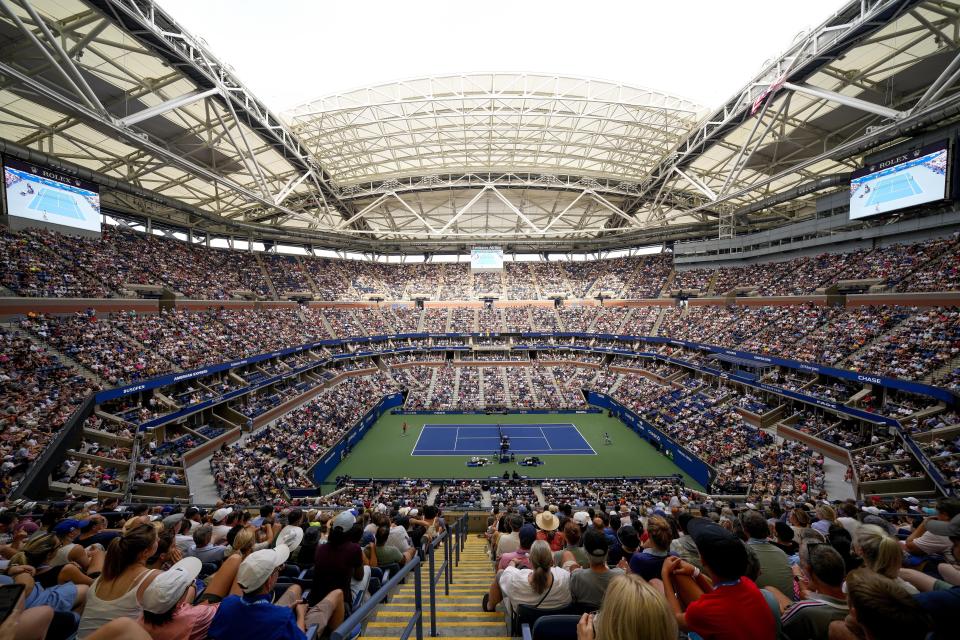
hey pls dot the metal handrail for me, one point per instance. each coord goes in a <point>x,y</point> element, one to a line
<point>435,576</point>
<point>345,630</point>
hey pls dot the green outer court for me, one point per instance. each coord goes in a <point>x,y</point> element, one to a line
<point>384,453</point>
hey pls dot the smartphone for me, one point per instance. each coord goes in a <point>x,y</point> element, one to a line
<point>9,597</point>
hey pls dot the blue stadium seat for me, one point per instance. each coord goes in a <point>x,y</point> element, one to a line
<point>552,627</point>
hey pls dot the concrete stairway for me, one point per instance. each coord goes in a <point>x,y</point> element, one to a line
<point>655,331</point>
<point>668,284</point>
<point>266,275</point>
<point>459,614</point>
<point>943,370</point>
<point>64,358</point>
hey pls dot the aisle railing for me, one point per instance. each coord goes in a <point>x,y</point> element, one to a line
<point>451,541</point>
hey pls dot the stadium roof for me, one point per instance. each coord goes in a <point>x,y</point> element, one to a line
<point>529,161</point>
<point>493,122</point>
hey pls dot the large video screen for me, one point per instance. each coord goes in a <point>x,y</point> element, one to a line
<point>486,259</point>
<point>37,193</point>
<point>906,180</point>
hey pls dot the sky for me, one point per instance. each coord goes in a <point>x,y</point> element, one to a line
<point>290,52</point>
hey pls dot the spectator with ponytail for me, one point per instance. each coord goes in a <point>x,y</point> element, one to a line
<point>63,588</point>
<point>543,586</point>
<point>118,592</point>
<point>881,554</point>
<point>243,543</point>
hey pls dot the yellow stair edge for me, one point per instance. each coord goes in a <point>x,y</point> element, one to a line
<point>376,624</point>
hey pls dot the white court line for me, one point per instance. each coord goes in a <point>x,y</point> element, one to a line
<point>484,452</point>
<point>495,437</point>
<point>585,441</point>
<point>549,451</point>
<point>456,439</point>
<point>545,439</point>
<point>422,429</point>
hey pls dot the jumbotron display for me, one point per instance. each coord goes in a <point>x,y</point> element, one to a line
<point>38,193</point>
<point>486,259</point>
<point>907,180</point>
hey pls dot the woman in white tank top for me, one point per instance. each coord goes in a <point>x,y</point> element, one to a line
<point>117,592</point>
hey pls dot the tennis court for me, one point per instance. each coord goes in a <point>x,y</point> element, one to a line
<point>57,202</point>
<point>484,439</point>
<point>894,188</point>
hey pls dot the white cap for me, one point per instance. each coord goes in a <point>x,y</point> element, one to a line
<point>582,518</point>
<point>168,587</point>
<point>220,514</point>
<point>291,537</point>
<point>257,567</point>
<point>750,505</point>
<point>344,521</point>
<point>872,510</point>
<point>911,500</point>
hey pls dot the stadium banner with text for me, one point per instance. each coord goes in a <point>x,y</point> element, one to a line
<point>482,412</point>
<point>691,464</point>
<point>335,454</point>
<point>892,383</point>
<point>173,378</point>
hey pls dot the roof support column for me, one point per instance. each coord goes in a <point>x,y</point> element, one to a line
<point>847,101</point>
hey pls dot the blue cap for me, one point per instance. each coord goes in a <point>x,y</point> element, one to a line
<point>66,526</point>
<point>527,535</point>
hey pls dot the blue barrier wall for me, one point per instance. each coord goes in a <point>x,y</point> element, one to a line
<point>428,412</point>
<point>892,383</point>
<point>694,466</point>
<point>325,466</point>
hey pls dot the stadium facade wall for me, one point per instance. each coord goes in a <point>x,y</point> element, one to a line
<point>938,299</point>
<point>809,238</point>
<point>642,302</point>
<point>206,305</point>
<point>525,303</point>
<point>347,305</point>
<point>12,307</point>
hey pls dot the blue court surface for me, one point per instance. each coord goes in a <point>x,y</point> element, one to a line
<point>57,202</point>
<point>894,188</point>
<point>484,439</point>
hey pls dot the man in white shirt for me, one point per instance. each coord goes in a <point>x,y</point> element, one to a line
<point>926,543</point>
<point>399,538</point>
<point>848,518</point>
<point>292,533</point>
<point>221,526</point>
